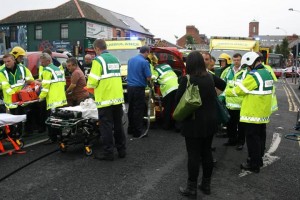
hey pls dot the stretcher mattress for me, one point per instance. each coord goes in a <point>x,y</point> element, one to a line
<point>86,113</point>
<point>8,119</point>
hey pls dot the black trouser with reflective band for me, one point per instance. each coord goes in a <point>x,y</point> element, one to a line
<point>111,128</point>
<point>255,139</point>
<point>199,151</point>
<point>136,110</point>
<point>235,130</point>
<point>53,132</point>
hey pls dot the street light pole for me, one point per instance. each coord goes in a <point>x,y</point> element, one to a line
<point>282,30</point>
<point>291,9</point>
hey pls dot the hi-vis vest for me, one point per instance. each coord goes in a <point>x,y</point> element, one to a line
<point>53,87</point>
<point>166,78</point>
<point>274,98</point>
<point>105,78</point>
<point>12,83</point>
<point>234,102</point>
<point>41,69</point>
<point>257,89</point>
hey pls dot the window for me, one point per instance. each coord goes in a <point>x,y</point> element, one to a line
<point>254,29</point>
<point>38,32</point>
<point>13,34</point>
<point>64,31</point>
<point>127,34</point>
<point>118,32</point>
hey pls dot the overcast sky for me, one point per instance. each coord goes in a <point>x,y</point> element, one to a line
<point>166,18</point>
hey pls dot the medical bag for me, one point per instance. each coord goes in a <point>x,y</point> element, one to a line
<point>29,93</point>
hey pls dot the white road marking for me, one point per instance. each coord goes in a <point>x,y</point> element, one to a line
<point>288,97</point>
<point>268,159</point>
<point>37,142</point>
<point>28,145</point>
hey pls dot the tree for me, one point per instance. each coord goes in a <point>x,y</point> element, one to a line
<point>277,49</point>
<point>189,41</point>
<point>284,48</point>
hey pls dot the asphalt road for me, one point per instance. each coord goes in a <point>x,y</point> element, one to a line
<point>157,165</point>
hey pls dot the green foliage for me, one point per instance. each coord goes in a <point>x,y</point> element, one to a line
<point>190,39</point>
<point>277,49</point>
<point>284,48</point>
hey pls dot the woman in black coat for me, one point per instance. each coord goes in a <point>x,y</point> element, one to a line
<point>199,129</point>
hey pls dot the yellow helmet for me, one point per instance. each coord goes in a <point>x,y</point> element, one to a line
<point>17,51</point>
<point>153,59</point>
<point>225,56</point>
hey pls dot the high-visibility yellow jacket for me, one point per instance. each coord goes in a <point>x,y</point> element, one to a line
<point>13,82</point>
<point>274,98</point>
<point>105,78</point>
<point>166,78</point>
<point>257,91</point>
<point>53,87</point>
<point>234,102</point>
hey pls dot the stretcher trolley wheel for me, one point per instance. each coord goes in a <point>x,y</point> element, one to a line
<point>88,151</point>
<point>20,143</point>
<point>62,147</point>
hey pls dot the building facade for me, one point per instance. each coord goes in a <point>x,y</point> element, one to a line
<point>72,27</point>
<point>200,41</point>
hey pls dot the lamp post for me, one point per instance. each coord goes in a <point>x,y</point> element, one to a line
<point>282,30</point>
<point>292,9</point>
<point>297,45</point>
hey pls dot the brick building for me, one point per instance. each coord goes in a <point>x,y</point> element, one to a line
<point>72,24</point>
<point>200,41</point>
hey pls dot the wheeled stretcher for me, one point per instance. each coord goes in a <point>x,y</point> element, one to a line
<point>9,131</point>
<point>75,125</point>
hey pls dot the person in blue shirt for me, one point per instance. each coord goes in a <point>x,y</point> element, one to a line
<point>138,76</point>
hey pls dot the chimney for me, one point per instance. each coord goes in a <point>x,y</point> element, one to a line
<point>253,28</point>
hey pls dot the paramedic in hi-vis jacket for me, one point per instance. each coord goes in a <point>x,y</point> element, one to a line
<point>256,108</point>
<point>105,78</point>
<point>53,89</point>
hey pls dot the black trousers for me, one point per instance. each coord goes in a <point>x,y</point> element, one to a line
<point>52,132</point>
<point>136,110</point>
<point>26,110</point>
<point>256,140</point>
<point>111,128</point>
<point>169,105</point>
<point>199,151</point>
<point>235,130</point>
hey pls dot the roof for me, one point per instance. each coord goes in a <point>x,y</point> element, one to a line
<point>75,9</point>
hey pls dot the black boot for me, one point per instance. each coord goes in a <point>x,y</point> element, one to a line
<point>190,190</point>
<point>205,185</point>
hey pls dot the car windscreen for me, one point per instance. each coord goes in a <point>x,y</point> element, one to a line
<point>124,55</point>
<point>216,53</point>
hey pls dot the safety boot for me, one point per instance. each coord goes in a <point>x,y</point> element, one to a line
<point>190,190</point>
<point>205,185</point>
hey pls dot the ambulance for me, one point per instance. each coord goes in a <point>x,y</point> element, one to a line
<point>232,45</point>
<point>124,48</point>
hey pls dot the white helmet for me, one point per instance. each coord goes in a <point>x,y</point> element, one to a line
<point>249,58</point>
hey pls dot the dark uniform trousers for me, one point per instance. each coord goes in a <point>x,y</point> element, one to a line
<point>169,105</point>
<point>255,139</point>
<point>235,128</point>
<point>136,110</point>
<point>52,132</point>
<point>111,129</point>
<point>20,110</point>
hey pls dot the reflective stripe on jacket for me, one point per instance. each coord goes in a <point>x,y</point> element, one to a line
<point>166,78</point>
<point>53,87</point>
<point>257,91</point>
<point>105,78</point>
